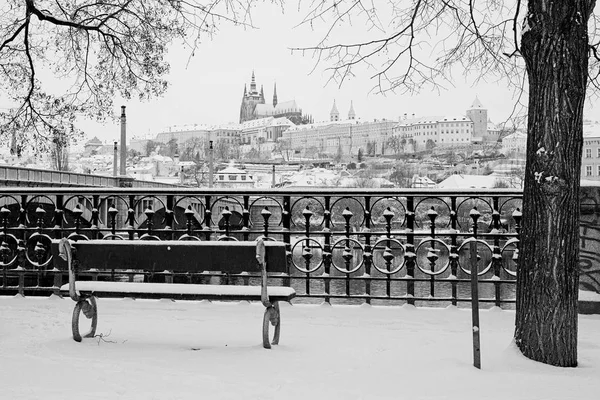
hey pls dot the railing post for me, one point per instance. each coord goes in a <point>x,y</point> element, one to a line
<point>246,218</point>
<point>453,251</point>
<point>95,216</point>
<point>410,249</point>
<point>306,250</point>
<point>170,215</point>
<point>131,217</point>
<point>431,255</point>
<point>327,249</point>
<point>368,254</point>
<point>474,214</point>
<point>286,219</point>
<point>496,255</point>
<point>207,218</point>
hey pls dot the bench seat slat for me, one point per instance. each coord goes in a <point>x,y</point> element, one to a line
<point>180,290</point>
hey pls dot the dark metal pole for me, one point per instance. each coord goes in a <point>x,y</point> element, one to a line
<point>210,164</point>
<point>474,214</point>
<point>123,170</point>
<point>115,156</point>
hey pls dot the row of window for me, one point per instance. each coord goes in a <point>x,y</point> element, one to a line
<point>232,177</point>
<point>589,171</point>
<point>588,153</point>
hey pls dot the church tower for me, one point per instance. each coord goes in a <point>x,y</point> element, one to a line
<point>351,113</point>
<point>334,115</point>
<point>478,114</point>
<point>274,95</point>
<point>249,101</point>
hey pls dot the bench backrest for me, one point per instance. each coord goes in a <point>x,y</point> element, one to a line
<point>172,255</point>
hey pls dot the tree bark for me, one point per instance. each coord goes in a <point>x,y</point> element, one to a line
<point>555,48</point>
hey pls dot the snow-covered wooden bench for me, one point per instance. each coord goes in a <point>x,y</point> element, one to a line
<point>181,257</point>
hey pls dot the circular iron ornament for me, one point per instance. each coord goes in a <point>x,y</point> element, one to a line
<point>12,216</point>
<point>39,243</point>
<point>104,200</point>
<point>200,211</point>
<point>47,217</point>
<point>111,236</point>
<point>430,251</point>
<point>508,200</point>
<point>342,245</point>
<point>276,205</point>
<point>189,238</point>
<point>515,253</point>
<point>394,219</point>
<point>381,245</point>
<point>90,310</point>
<point>318,214</point>
<point>341,221</point>
<point>482,210</point>
<point>438,201</point>
<point>225,238</point>
<point>464,245</point>
<point>227,199</point>
<point>146,236</point>
<point>305,253</point>
<point>78,236</point>
<point>8,250</point>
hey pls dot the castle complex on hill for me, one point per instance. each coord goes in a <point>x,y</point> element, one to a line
<point>254,106</point>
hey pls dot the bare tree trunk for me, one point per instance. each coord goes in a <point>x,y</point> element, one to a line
<point>555,48</point>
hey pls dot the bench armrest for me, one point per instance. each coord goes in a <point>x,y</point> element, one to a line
<point>65,251</point>
<point>260,257</point>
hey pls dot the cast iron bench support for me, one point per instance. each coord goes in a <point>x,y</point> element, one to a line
<point>182,256</point>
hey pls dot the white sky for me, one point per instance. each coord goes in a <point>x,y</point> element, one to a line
<point>208,89</point>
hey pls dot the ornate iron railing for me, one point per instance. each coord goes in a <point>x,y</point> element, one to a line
<point>352,246</point>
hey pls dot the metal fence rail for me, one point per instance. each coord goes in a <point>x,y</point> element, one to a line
<point>351,246</point>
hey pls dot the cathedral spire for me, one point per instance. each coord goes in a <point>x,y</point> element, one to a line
<point>351,113</point>
<point>262,94</point>
<point>245,91</point>
<point>253,83</point>
<point>275,95</point>
<point>334,115</point>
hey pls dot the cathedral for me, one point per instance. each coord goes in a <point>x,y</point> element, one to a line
<point>254,106</point>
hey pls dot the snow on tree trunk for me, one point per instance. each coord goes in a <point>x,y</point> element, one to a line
<point>555,48</point>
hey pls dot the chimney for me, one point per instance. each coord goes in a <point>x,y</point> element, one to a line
<point>123,171</point>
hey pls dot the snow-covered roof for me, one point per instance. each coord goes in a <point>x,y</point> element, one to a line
<point>432,120</point>
<point>232,170</point>
<point>469,181</point>
<point>280,108</point>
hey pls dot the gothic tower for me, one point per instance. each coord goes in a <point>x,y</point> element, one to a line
<point>478,114</point>
<point>249,101</point>
<point>275,95</point>
<point>351,113</point>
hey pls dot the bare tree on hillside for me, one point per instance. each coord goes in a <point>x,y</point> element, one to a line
<point>550,47</point>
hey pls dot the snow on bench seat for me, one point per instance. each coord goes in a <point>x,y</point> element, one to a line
<point>179,290</point>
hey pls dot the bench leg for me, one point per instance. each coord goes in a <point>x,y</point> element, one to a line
<point>90,310</point>
<point>272,316</point>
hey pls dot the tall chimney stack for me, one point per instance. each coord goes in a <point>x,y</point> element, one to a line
<point>123,170</point>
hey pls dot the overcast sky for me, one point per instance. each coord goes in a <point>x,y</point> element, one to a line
<point>208,88</point>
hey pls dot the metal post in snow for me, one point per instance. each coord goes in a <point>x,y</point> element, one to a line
<point>474,214</point>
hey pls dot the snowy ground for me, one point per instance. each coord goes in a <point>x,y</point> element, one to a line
<point>200,350</point>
